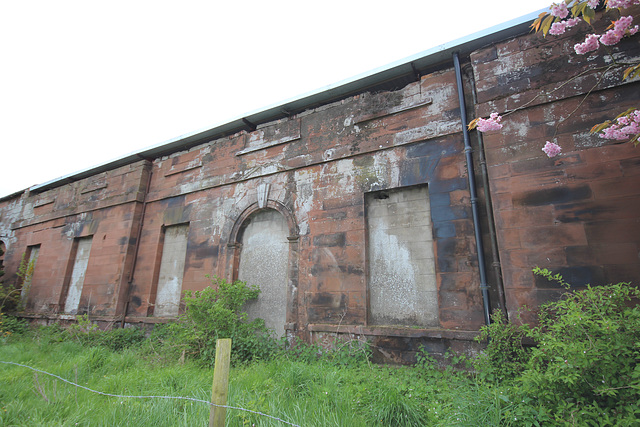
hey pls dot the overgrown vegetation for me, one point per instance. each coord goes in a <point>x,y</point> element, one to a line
<point>584,368</point>
<point>9,300</point>
<point>25,273</point>
<point>577,366</point>
<point>214,313</point>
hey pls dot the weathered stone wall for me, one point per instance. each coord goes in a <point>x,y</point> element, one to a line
<point>319,180</point>
<point>315,168</point>
<point>105,206</point>
<point>577,214</point>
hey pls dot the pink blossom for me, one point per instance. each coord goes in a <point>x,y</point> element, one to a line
<point>624,128</point>
<point>492,123</point>
<point>573,22</point>
<point>593,3</point>
<point>611,37</point>
<point>558,28</point>
<point>551,149</point>
<point>623,23</point>
<point>590,43</point>
<point>613,132</point>
<point>618,31</point>
<point>560,10</point>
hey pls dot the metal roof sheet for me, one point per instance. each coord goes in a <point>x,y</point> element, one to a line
<point>427,60</point>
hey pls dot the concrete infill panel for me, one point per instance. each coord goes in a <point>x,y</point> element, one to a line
<point>77,276</point>
<point>174,254</point>
<point>264,262</point>
<point>402,286</point>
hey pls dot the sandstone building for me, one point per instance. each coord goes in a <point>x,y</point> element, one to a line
<point>359,210</point>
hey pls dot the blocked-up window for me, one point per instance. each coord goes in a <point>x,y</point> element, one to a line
<point>402,281</point>
<point>82,248</point>
<point>28,267</point>
<point>174,255</point>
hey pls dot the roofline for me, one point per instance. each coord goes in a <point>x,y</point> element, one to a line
<point>428,59</point>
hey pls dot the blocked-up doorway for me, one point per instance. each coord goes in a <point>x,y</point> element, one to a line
<point>402,281</point>
<point>82,249</point>
<point>174,255</point>
<point>264,260</point>
<point>31,258</point>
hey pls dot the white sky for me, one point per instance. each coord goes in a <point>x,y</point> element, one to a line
<point>84,82</point>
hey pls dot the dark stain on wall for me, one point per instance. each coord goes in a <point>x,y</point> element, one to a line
<point>575,276</point>
<point>330,240</point>
<point>203,250</point>
<point>582,212</point>
<point>550,196</point>
<point>443,229</point>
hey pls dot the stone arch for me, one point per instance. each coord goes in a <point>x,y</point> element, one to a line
<point>254,207</point>
<point>263,250</point>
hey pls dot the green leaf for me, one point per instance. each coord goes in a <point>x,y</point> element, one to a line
<point>588,14</point>
<point>578,9</point>
<point>546,24</point>
<point>632,71</point>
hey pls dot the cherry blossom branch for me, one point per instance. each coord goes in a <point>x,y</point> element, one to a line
<point>568,14</point>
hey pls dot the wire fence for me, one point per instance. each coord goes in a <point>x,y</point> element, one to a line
<point>192,399</point>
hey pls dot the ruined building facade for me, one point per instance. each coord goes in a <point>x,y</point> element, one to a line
<point>352,208</point>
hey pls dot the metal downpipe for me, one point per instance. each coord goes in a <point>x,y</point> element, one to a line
<point>493,239</point>
<point>472,190</point>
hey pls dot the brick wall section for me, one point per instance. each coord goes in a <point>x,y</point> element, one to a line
<point>329,158</point>
<point>576,214</point>
<point>106,207</point>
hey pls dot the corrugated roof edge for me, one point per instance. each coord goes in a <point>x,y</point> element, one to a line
<point>348,87</point>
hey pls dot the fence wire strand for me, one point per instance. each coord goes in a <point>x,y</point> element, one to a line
<point>150,397</point>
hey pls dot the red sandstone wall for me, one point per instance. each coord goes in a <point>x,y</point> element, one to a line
<point>577,214</point>
<point>105,207</point>
<point>319,164</point>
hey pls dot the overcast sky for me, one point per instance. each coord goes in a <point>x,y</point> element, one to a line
<point>84,82</point>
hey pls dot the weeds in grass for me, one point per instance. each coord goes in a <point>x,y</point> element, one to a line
<point>589,379</point>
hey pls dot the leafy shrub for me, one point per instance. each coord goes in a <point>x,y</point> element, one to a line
<point>348,352</point>
<point>25,273</point>
<point>505,356</point>
<point>10,325</point>
<point>87,333</point>
<point>9,298</point>
<point>584,369</point>
<point>84,331</point>
<point>585,366</point>
<point>121,338</point>
<point>214,313</point>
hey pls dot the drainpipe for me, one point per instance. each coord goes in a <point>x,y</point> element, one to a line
<point>472,190</point>
<point>493,239</point>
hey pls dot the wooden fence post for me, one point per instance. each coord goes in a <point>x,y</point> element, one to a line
<point>220,383</point>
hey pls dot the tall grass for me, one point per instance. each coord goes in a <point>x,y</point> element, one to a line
<point>325,392</point>
<point>332,391</point>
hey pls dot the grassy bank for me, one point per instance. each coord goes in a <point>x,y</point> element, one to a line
<point>583,370</point>
<point>344,392</point>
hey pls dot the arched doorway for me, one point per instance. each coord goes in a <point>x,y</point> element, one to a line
<point>264,261</point>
